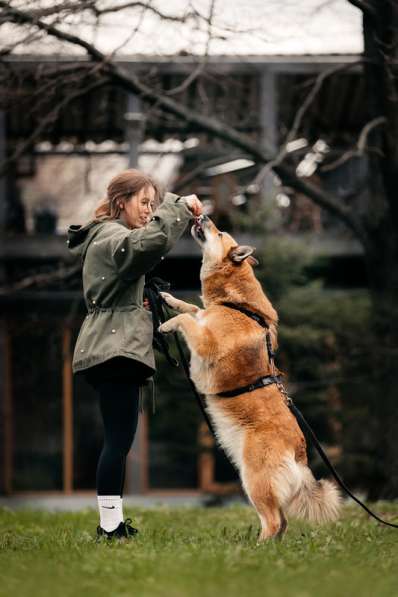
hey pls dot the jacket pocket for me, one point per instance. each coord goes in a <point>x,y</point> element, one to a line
<point>138,332</point>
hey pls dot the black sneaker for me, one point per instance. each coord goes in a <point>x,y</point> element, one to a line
<point>123,531</point>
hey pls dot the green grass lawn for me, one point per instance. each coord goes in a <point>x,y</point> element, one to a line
<point>190,552</point>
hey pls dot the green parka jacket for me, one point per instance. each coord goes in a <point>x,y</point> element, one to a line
<point>115,260</point>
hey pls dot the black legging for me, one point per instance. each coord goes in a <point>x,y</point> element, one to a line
<point>119,409</point>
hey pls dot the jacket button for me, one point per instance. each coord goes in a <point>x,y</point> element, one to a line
<point>113,331</point>
<point>95,242</point>
<point>122,250</point>
<point>162,257</point>
<point>82,350</point>
<point>102,277</point>
<point>178,219</point>
<point>93,301</point>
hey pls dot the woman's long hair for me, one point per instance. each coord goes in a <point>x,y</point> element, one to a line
<point>120,190</point>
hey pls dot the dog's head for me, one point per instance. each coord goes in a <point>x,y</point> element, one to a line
<point>218,247</point>
<point>227,273</point>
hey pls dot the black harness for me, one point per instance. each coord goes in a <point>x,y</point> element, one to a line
<point>260,382</point>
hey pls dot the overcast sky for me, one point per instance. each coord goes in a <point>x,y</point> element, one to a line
<point>245,28</point>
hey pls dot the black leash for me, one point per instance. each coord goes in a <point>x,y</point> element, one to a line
<point>265,381</point>
<point>198,397</point>
<point>306,427</point>
<point>153,287</point>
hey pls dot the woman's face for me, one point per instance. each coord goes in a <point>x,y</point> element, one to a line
<point>138,210</point>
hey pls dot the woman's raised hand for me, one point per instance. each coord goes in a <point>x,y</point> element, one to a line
<point>194,204</point>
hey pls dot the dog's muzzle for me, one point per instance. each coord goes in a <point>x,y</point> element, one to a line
<point>197,228</point>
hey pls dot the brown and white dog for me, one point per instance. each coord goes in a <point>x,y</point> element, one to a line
<point>228,351</point>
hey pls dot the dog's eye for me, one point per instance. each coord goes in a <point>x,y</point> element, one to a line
<point>220,234</point>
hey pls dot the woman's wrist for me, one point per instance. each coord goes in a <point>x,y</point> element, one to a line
<point>191,202</point>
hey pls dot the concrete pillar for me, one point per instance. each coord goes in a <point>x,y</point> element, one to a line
<point>269,110</point>
<point>269,122</point>
<point>135,121</point>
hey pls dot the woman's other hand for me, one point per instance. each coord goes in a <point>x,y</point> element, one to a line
<point>147,306</point>
<point>194,204</point>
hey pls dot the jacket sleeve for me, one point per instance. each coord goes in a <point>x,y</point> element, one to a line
<point>136,252</point>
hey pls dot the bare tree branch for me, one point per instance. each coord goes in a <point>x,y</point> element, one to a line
<point>91,6</point>
<point>50,117</point>
<point>146,5</point>
<point>131,35</point>
<point>363,137</point>
<point>10,48</point>
<point>299,117</point>
<point>192,174</point>
<point>323,199</point>
<point>202,62</point>
<point>15,15</point>
<point>58,275</point>
<point>312,95</point>
<point>360,147</point>
<point>365,7</point>
<point>132,83</point>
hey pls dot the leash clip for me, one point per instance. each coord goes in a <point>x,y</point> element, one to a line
<point>284,393</point>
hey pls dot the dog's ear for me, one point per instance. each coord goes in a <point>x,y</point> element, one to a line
<point>252,260</point>
<point>241,252</point>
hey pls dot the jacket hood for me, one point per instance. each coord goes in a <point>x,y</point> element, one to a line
<point>79,237</point>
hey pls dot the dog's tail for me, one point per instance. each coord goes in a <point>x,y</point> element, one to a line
<point>301,496</point>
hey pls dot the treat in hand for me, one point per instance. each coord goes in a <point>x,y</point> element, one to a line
<point>194,204</point>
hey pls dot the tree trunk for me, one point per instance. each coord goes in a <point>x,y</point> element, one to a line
<point>381,224</point>
<point>383,277</point>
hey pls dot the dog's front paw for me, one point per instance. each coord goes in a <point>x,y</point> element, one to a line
<point>169,299</point>
<point>166,327</point>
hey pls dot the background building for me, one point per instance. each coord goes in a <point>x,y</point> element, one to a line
<point>51,430</point>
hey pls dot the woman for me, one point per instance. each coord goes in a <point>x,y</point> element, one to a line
<point>126,239</point>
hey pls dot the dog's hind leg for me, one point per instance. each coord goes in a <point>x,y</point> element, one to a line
<point>259,492</point>
<point>283,528</point>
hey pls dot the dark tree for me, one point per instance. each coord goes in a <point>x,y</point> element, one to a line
<point>380,225</point>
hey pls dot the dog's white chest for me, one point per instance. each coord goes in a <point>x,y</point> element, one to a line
<point>229,433</point>
<point>200,374</point>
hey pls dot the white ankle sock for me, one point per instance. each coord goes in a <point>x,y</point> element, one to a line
<point>111,511</point>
